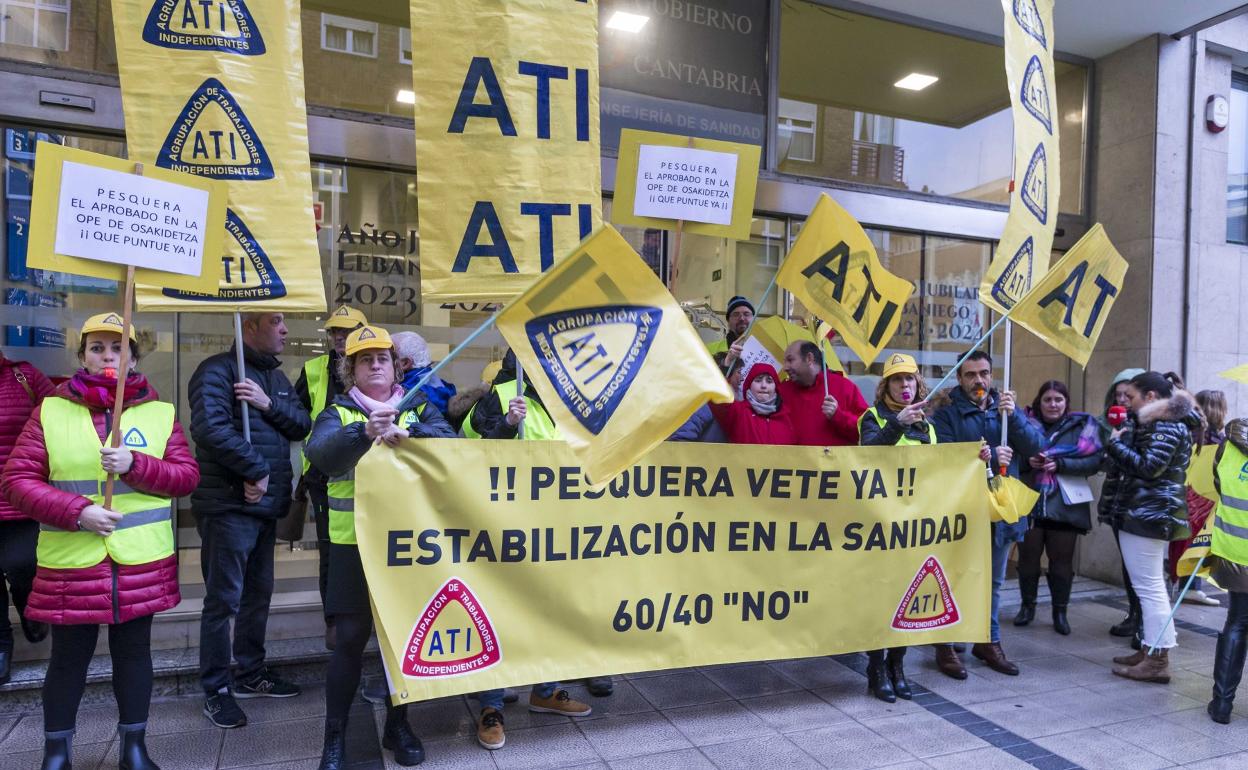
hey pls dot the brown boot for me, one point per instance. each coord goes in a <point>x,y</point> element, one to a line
<point>1132,659</point>
<point>994,656</point>
<point>1154,668</point>
<point>948,662</point>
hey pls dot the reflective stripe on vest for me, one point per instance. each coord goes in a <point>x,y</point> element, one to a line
<point>342,488</point>
<point>537,423</point>
<point>1230,525</point>
<point>145,532</point>
<point>904,440</point>
<point>317,373</point>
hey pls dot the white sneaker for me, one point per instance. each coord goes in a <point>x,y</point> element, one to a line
<point>1196,596</point>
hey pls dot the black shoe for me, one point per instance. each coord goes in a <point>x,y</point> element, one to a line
<point>6,667</point>
<point>222,711</point>
<point>897,673</point>
<point>600,686</point>
<point>1129,626</point>
<point>510,695</point>
<point>1026,614</point>
<point>959,647</point>
<point>1137,641</point>
<point>1060,624</point>
<point>134,750</point>
<point>399,738</point>
<point>56,753</point>
<point>878,683</point>
<point>34,631</point>
<point>1228,668</point>
<point>266,685</point>
<point>334,752</point>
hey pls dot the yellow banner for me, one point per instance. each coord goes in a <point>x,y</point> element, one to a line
<point>492,564</point>
<point>1022,255</point>
<point>1237,374</point>
<point>506,141</point>
<point>216,89</point>
<point>834,270</point>
<point>1067,307</point>
<point>1198,550</point>
<point>616,361</point>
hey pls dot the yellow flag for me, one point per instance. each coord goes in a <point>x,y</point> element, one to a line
<point>615,359</point>
<point>1238,374</point>
<point>1200,473</point>
<point>1010,499</point>
<point>1199,549</point>
<point>834,270</point>
<point>1067,308</point>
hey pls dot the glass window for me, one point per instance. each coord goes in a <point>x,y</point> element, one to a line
<point>405,46</point>
<point>376,74</point>
<point>35,23</point>
<point>950,138</point>
<point>1237,162</point>
<point>346,35</point>
<point>710,271</point>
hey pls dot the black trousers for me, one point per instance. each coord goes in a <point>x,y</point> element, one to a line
<point>342,678</point>
<point>17,571</point>
<point>318,496</point>
<point>1237,614</point>
<point>1059,544</point>
<point>130,645</point>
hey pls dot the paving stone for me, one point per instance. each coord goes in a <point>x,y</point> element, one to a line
<point>925,735</point>
<point>544,747</point>
<point>717,723</point>
<point>849,746</point>
<point>686,759</point>
<point>791,712</point>
<point>1093,748</point>
<point>633,734</point>
<point>685,688</point>
<point>753,753</point>
<point>752,681</point>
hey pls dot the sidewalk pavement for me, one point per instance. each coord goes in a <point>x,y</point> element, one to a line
<point>1065,711</point>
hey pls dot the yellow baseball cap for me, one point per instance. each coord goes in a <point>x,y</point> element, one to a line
<point>345,317</point>
<point>491,371</point>
<point>107,322</point>
<point>900,363</point>
<point>368,338</point>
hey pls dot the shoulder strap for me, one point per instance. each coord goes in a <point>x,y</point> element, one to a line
<point>21,380</point>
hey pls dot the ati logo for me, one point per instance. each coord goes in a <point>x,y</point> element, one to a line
<point>134,438</point>
<point>367,334</point>
<point>1028,17</point>
<point>113,320</point>
<point>591,355</point>
<point>928,602</point>
<point>204,25</point>
<point>213,138</point>
<point>1035,189</point>
<point>408,419</point>
<point>1015,280</point>
<point>453,636</point>
<point>1035,93</point>
<point>248,272</point>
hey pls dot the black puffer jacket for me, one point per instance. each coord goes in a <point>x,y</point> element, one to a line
<point>225,460</point>
<point>489,418</point>
<point>335,449</point>
<point>1154,468</point>
<point>870,433</point>
<point>1051,507</point>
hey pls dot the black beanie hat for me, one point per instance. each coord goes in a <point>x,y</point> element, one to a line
<point>737,302</point>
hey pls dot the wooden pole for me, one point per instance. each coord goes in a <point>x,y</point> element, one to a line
<point>241,361</point>
<point>673,267</point>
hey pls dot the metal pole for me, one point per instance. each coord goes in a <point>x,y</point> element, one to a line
<point>411,394</point>
<point>967,354</point>
<point>762,301</point>
<point>520,394</point>
<point>1190,579</point>
<point>240,361</point>
<point>1005,385</point>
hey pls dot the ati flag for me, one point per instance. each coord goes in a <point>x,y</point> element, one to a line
<point>834,271</point>
<point>1067,308</point>
<point>613,356</point>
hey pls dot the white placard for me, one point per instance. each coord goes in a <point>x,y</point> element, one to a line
<point>684,183</point>
<point>128,219</point>
<point>753,352</point>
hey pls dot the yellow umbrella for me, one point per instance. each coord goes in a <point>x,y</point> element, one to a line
<point>776,334</point>
<point>1010,498</point>
<point>825,334</point>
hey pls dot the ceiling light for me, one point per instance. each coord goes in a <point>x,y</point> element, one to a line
<point>627,22</point>
<point>405,97</point>
<point>916,82</point>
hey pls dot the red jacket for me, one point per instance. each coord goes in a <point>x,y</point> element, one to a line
<point>16,405</point>
<point>108,592</point>
<point>744,426</point>
<point>805,407</point>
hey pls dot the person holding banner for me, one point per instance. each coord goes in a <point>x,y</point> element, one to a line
<point>739,317</point>
<point>825,405</point>
<point>1230,566</point>
<point>896,419</point>
<point>1071,452</point>
<point>1110,506</point>
<point>362,417</point>
<point>99,565</point>
<point>1154,475</point>
<point>499,413</point>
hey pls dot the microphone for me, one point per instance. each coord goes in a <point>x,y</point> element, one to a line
<point>1117,415</point>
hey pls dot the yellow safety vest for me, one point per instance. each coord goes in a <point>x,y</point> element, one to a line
<point>904,440</point>
<point>342,488</point>
<point>537,423</point>
<point>317,374</point>
<point>145,532</point>
<point>717,346</point>
<point>1230,527</point>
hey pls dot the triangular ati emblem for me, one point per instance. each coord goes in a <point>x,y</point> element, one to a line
<point>1035,93</point>
<point>453,636</point>
<point>896,359</point>
<point>591,355</point>
<point>134,438</point>
<point>212,137</point>
<point>367,334</point>
<point>113,319</point>
<point>248,273</point>
<point>928,602</point>
<point>204,25</point>
<point>1015,279</point>
<point>1028,17</point>
<point>1035,190</point>
<point>342,311</point>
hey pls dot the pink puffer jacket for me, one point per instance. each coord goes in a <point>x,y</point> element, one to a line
<point>16,405</point>
<point>108,592</point>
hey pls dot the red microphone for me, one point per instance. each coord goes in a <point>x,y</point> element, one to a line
<point>1117,415</point>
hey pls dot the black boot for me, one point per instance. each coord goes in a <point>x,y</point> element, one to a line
<point>334,753</point>
<point>1027,587</point>
<point>1060,624</point>
<point>56,748</point>
<point>1134,620</point>
<point>1026,614</point>
<point>1059,590</point>
<point>399,738</point>
<point>134,749</point>
<point>897,673</point>
<point>878,683</point>
<point>34,631</point>
<point>1228,667</point>
<point>6,666</point>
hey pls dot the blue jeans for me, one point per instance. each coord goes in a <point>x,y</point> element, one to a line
<point>493,699</point>
<point>1000,559</point>
<point>237,562</point>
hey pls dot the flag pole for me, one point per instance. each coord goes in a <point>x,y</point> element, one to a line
<point>1190,579</point>
<point>762,301</point>
<point>968,353</point>
<point>410,396</point>
<point>240,361</point>
<point>1005,418</point>
<point>123,371</point>
<point>519,394</point>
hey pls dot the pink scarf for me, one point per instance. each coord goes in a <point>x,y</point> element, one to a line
<point>99,391</point>
<point>370,405</point>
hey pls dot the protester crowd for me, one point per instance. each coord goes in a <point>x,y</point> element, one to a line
<point>71,565</point>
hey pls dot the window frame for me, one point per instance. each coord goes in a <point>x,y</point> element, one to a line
<point>37,8</point>
<point>350,26</point>
<point>1239,82</point>
<point>405,32</point>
